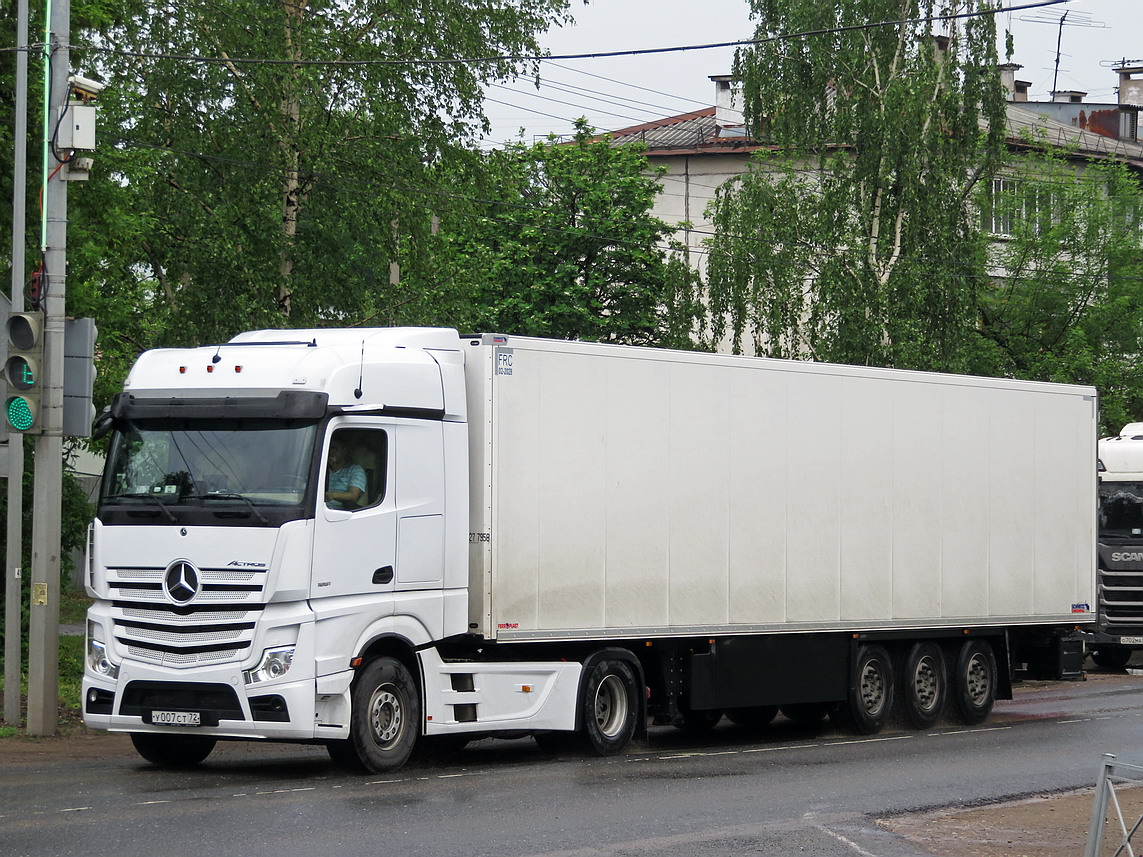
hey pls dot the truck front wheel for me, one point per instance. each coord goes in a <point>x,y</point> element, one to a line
<point>172,751</point>
<point>386,716</point>
<point>1112,657</point>
<point>610,706</point>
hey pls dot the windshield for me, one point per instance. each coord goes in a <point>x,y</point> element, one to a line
<point>1121,508</point>
<point>173,462</point>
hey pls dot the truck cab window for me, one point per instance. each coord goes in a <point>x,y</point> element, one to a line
<point>355,469</point>
<point>209,463</point>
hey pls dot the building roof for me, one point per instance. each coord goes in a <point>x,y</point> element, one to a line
<point>686,134</point>
<point>698,133</point>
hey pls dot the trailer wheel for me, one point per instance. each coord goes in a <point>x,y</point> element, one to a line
<point>975,681</point>
<point>871,699</point>
<point>924,682</point>
<point>1112,657</point>
<point>172,751</point>
<point>386,716</point>
<point>610,707</point>
<point>806,713</point>
<point>755,717</point>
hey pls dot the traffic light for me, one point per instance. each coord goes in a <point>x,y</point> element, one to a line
<point>24,335</point>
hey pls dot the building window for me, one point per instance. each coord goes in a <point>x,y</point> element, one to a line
<point>1012,204</point>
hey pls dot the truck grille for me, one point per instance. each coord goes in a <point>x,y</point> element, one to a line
<point>216,625</point>
<point>1121,599</point>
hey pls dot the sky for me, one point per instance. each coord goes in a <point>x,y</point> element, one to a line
<point>616,92</point>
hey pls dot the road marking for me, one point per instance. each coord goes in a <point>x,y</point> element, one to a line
<point>772,749</point>
<point>870,740</point>
<point>76,809</point>
<point>848,842</point>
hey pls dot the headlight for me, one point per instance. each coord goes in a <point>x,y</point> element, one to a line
<point>97,658</point>
<point>275,663</point>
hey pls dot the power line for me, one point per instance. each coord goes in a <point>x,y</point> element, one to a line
<point>850,28</point>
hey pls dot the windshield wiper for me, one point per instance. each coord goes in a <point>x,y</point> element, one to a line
<point>230,495</point>
<point>1121,537</point>
<point>144,496</point>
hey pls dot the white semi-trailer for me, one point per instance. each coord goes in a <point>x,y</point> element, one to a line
<point>371,538</point>
<point>1120,570</point>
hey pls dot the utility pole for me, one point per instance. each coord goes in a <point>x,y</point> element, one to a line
<point>43,636</point>
<point>15,464</point>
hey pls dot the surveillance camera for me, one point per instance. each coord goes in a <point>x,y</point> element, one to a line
<point>85,87</point>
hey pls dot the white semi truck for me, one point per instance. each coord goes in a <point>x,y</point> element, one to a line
<point>374,538</point>
<point>1120,574</point>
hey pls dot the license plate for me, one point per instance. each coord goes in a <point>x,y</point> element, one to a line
<point>176,718</point>
<point>1131,641</point>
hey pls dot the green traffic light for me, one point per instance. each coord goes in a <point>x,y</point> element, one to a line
<point>19,413</point>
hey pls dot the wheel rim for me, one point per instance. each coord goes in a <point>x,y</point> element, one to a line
<point>610,706</point>
<point>926,684</point>
<point>386,718</point>
<point>872,687</point>
<point>978,680</point>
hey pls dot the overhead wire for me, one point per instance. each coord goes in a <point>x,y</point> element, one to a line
<point>869,25</point>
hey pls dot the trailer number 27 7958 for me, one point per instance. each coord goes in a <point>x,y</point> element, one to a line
<point>479,538</point>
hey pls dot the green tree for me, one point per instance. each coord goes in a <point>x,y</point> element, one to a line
<point>852,238</point>
<point>272,184</point>
<point>557,239</point>
<point>1066,303</point>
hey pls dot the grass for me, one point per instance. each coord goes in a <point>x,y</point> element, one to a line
<point>73,610</point>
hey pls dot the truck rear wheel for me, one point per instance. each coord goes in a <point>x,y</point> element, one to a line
<point>610,706</point>
<point>975,681</point>
<point>871,699</point>
<point>172,751</point>
<point>386,716</point>
<point>924,682</point>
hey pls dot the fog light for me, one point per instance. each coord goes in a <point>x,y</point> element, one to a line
<point>275,663</point>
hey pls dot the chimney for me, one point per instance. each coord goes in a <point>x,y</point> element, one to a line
<point>1014,90</point>
<point>1130,89</point>
<point>1067,96</point>
<point>727,102</point>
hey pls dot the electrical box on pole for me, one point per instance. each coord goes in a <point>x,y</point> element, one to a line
<point>23,367</point>
<point>79,376</point>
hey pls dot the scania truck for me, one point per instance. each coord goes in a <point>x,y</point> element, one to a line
<point>1120,573</point>
<point>371,539</point>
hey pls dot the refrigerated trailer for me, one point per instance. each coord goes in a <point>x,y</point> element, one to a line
<point>1120,556</point>
<point>376,538</point>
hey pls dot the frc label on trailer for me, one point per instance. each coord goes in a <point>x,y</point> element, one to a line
<point>1081,608</point>
<point>504,360</point>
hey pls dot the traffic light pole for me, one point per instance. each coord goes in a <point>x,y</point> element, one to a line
<point>43,636</point>
<point>13,633</point>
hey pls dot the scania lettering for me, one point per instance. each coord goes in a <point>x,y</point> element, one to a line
<point>374,538</point>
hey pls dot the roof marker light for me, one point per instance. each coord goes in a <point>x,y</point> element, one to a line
<point>209,369</point>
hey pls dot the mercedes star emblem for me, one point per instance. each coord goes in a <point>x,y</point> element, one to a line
<point>181,581</point>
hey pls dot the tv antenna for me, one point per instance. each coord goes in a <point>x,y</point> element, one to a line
<point>1070,18</point>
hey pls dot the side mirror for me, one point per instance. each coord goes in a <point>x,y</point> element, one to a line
<point>102,425</point>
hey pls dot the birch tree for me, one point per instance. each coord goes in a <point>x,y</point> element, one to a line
<point>853,238</point>
<point>268,157</point>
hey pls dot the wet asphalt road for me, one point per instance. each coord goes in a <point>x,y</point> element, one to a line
<point>787,790</point>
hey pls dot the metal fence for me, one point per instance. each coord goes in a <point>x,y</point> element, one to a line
<point>1102,834</point>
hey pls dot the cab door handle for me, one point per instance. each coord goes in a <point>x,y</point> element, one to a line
<point>383,575</point>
